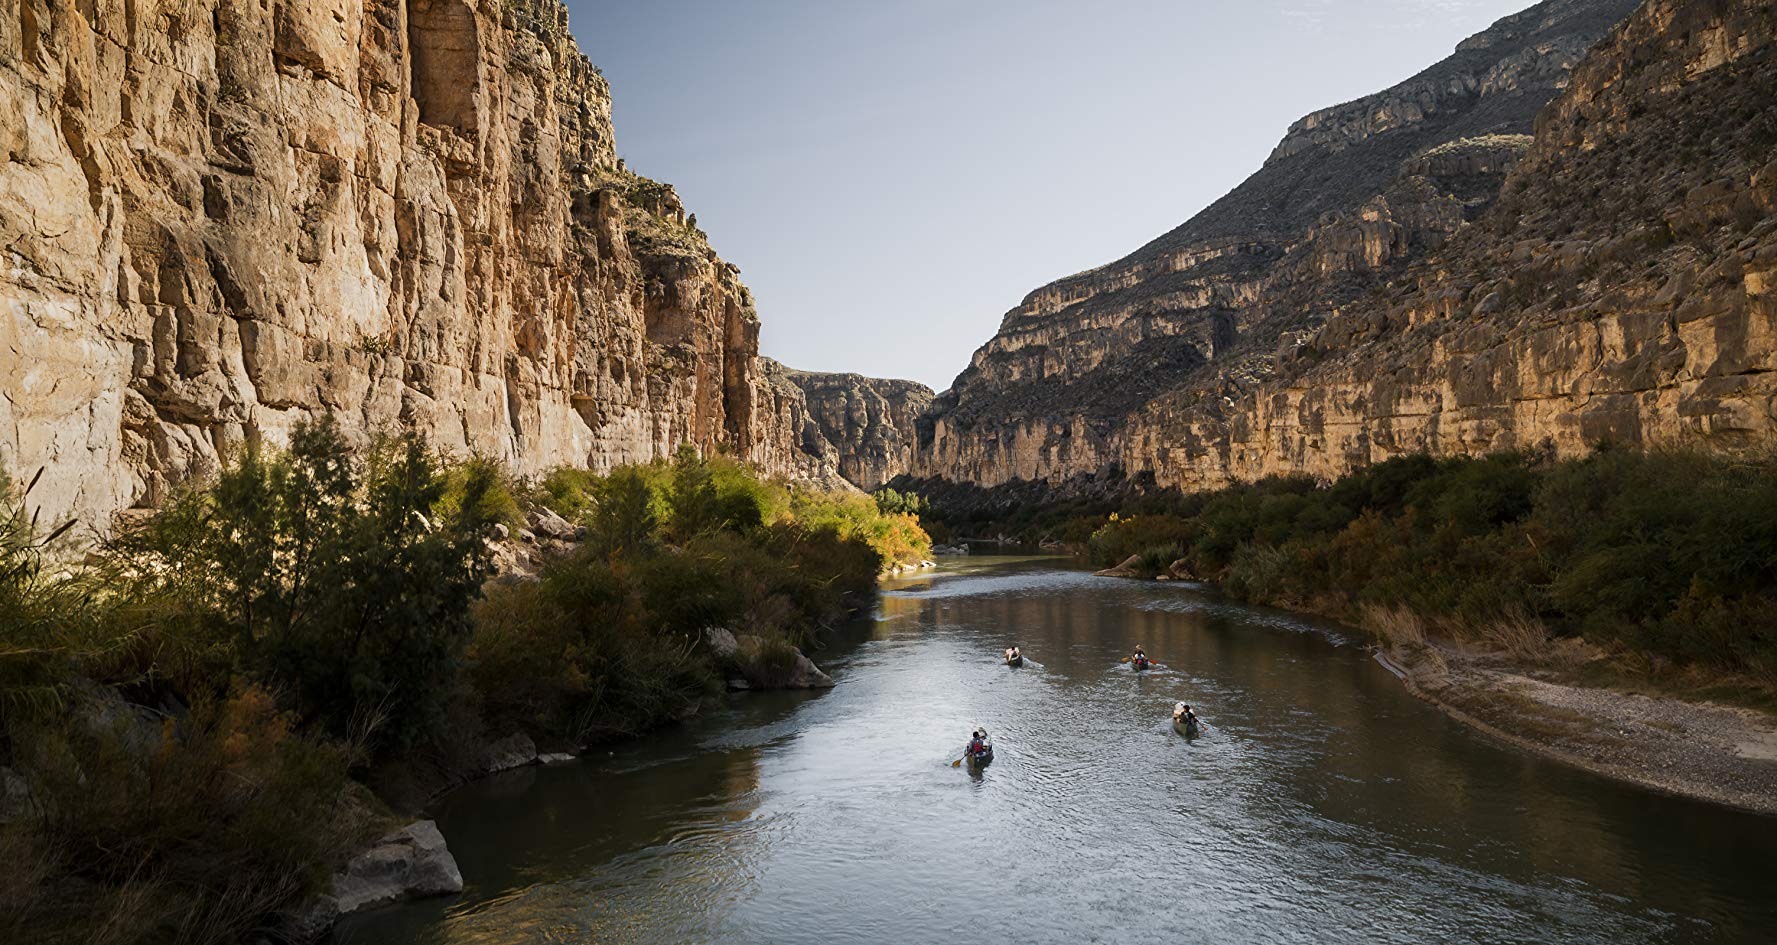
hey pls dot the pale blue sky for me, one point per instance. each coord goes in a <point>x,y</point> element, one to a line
<point>891,177</point>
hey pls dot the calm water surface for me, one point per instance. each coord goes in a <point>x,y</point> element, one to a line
<point>1322,804</point>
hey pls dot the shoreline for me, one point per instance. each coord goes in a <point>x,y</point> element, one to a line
<point>1701,751</point>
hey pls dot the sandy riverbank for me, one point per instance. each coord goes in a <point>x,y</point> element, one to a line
<point>1716,753</point>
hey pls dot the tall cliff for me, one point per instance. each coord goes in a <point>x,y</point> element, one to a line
<point>1415,270</point>
<point>218,218</point>
<point>864,425</point>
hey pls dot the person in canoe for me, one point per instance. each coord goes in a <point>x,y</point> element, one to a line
<point>978,751</point>
<point>1013,656</point>
<point>1139,659</point>
<point>1184,718</point>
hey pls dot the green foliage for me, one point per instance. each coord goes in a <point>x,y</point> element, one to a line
<point>1673,555</point>
<point>890,502</point>
<point>45,619</point>
<point>321,575</point>
<point>567,491</point>
<point>485,484</point>
<point>610,641</point>
<point>195,831</point>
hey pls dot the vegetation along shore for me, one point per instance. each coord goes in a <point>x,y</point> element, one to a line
<point>208,715</point>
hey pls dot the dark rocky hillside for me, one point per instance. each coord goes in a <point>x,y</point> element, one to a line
<point>1154,364</point>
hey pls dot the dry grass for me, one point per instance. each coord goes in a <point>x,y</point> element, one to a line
<point>1519,634</point>
<point>1393,626</point>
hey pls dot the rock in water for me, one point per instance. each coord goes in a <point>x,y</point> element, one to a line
<point>410,863</point>
<point>1127,569</point>
<point>513,751</point>
<point>807,675</point>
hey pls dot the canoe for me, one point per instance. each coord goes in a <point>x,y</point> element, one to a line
<point>1189,731</point>
<point>1015,661</point>
<point>1140,664</point>
<point>977,762</point>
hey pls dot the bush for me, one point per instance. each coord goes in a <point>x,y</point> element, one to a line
<point>1673,555</point>
<point>609,642</point>
<point>484,483</point>
<point>45,620</point>
<point>320,574</point>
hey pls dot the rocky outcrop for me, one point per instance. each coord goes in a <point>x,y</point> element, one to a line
<point>222,218</point>
<point>513,751</point>
<point>1216,351</point>
<point>866,425</point>
<point>1618,290</point>
<point>410,863</point>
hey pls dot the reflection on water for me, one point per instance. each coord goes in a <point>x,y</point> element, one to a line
<point>1322,803</point>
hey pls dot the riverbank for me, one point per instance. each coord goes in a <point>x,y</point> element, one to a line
<point>1704,751</point>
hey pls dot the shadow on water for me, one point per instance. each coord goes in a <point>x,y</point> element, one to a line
<point>1321,803</point>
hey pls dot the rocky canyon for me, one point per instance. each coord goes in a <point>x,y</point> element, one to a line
<point>1563,234</point>
<point>221,218</point>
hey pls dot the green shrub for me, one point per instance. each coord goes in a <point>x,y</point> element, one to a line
<point>321,575</point>
<point>567,491</point>
<point>495,494</point>
<point>46,621</point>
<point>193,832</point>
<point>610,641</point>
<point>1671,554</point>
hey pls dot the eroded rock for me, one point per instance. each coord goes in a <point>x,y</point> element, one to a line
<point>513,751</point>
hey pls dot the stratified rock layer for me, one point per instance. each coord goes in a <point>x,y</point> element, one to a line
<point>1414,271</point>
<point>219,218</point>
<point>865,425</point>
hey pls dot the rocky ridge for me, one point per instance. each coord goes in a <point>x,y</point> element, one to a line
<point>218,219</point>
<point>864,425</point>
<point>1177,361</point>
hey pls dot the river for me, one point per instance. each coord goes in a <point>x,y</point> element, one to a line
<point>1321,804</point>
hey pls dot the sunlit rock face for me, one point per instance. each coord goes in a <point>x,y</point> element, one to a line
<point>865,425</point>
<point>219,218</point>
<point>1560,235</point>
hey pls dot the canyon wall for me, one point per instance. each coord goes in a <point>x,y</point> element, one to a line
<point>219,218</point>
<point>1434,267</point>
<point>866,425</point>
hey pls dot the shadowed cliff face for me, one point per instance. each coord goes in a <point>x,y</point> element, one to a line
<point>220,218</point>
<point>864,425</point>
<point>1271,333</point>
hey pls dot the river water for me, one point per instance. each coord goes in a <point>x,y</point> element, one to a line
<point>1321,804</point>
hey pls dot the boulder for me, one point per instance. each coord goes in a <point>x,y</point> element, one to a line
<point>1126,569</point>
<point>16,802</point>
<point>556,758</point>
<point>807,675</point>
<point>546,523</point>
<point>801,674</point>
<point>513,751</point>
<point>410,863</point>
<point>722,644</point>
<point>1180,570</point>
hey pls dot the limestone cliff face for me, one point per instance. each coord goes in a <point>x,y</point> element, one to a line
<point>1414,271</point>
<point>865,425</point>
<point>218,218</point>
